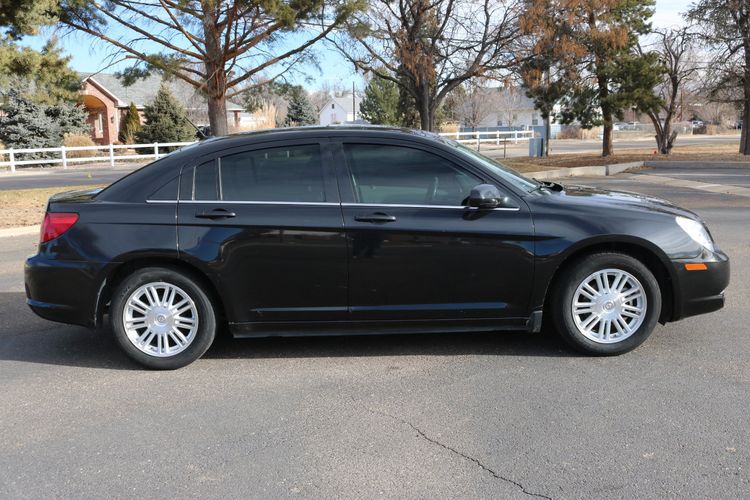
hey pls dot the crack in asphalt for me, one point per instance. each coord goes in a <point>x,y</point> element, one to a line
<point>494,473</point>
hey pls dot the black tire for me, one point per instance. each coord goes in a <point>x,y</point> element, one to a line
<point>572,276</point>
<point>206,331</point>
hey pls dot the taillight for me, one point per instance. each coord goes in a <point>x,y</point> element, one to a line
<point>56,224</point>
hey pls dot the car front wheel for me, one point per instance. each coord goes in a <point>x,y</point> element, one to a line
<point>161,318</point>
<point>606,303</point>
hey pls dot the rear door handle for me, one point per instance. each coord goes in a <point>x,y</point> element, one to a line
<point>376,217</point>
<point>216,213</point>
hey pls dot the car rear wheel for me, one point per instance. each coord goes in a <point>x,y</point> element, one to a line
<point>161,318</point>
<point>606,303</point>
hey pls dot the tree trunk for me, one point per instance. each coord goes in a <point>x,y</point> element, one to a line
<point>217,115</point>
<point>607,120</point>
<point>745,137</point>
<point>425,117</point>
<point>422,100</point>
<point>607,136</point>
<point>216,85</point>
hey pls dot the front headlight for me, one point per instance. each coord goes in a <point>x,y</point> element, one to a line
<point>697,232</point>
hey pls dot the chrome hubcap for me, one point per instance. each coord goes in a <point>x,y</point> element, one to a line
<point>160,319</point>
<point>609,306</point>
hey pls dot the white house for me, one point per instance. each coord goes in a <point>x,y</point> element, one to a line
<point>507,107</point>
<point>342,109</point>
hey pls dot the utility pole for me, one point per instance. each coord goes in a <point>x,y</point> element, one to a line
<point>354,104</point>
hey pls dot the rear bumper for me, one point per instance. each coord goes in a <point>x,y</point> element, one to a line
<point>700,292</point>
<point>62,291</point>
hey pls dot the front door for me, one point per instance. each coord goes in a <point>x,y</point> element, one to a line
<point>267,224</point>
<point>416,251</point>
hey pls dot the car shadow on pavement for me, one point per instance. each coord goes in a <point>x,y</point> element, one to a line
<point>436,344</point>
<point>26,338</point>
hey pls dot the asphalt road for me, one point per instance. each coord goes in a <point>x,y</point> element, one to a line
<point>734,176</point>
<point>58,177</point>
<point>491,416</point>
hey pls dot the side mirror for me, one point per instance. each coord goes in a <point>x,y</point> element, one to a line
<point>487,196</point>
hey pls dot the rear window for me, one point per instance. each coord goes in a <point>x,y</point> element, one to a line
<point>292,174</point>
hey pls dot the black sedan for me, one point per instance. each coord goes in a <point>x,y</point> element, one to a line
<point>362,230</point>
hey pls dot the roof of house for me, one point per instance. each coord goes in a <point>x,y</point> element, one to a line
<point>143,91</point>
<point>344,102</point>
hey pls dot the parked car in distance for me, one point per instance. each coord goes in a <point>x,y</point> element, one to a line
<point>362,230</point>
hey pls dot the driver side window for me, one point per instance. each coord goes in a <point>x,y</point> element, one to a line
<point>400,175</point>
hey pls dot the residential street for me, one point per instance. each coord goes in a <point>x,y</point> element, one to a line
<point>488,416</point>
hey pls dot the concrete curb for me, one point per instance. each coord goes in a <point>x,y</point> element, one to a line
<point>603,170</point>
<point>19,231</point>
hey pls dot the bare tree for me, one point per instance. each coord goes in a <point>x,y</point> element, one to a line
<point>319,98</point>
<point>675,50</point>
<point>217,46</point>
<point>476,104</point>
<point>430,47</point>
<point>725,30</point>
<point>508,102</point>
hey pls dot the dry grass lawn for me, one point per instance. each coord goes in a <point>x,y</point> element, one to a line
<point>25,207</point>
<point>719,152</point>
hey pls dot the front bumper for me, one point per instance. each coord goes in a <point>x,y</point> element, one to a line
<point>62,291</point>
<point>700,292</point>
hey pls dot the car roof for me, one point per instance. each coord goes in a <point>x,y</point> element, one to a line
<point>319,131</point>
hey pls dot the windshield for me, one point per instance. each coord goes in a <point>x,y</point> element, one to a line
<point>506,173</point>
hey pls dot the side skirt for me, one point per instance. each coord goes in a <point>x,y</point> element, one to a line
<point>334,328</point>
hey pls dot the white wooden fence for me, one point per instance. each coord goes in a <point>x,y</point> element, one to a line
<point>14,157</point>
<point>10,157</point>
<point>496,137</point>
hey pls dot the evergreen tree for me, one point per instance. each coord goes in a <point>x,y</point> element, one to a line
<point>584,60</point>
<point>130,125</point>
<point>25,124</point>
<point>301,110</point>
<point>166,120</point>
<point>44,76</point>
<point>380,103</point>
<point>24,17</point>
<point>67,118</point>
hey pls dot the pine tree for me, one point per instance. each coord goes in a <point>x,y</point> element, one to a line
<point>301,110</point>
<point>130,126</point>
<point>25,124</point>
<point>380,103</point>
<point>584,60</point>
<point>43,76</point>
<point>166,120</point>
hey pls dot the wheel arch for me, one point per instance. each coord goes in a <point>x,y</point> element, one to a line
<point>646,252</point>
<point>118,273</point>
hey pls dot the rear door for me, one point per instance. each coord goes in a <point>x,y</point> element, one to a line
<point>416,251</point>
<point>267,222</point>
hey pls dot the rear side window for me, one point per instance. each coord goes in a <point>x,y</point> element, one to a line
<point>200,183</point>
<point>390,175</point>
<point>290,173</point>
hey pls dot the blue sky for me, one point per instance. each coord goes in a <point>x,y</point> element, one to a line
<point>89,55</point>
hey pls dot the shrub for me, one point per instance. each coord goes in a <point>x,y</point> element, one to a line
<point>130,126</point>
<point>78,140</point>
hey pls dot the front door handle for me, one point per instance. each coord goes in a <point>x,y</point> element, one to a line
<point>377,217</point>
<point>216,213</point>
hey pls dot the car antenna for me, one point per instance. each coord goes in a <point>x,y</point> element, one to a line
<point>201,135</point>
